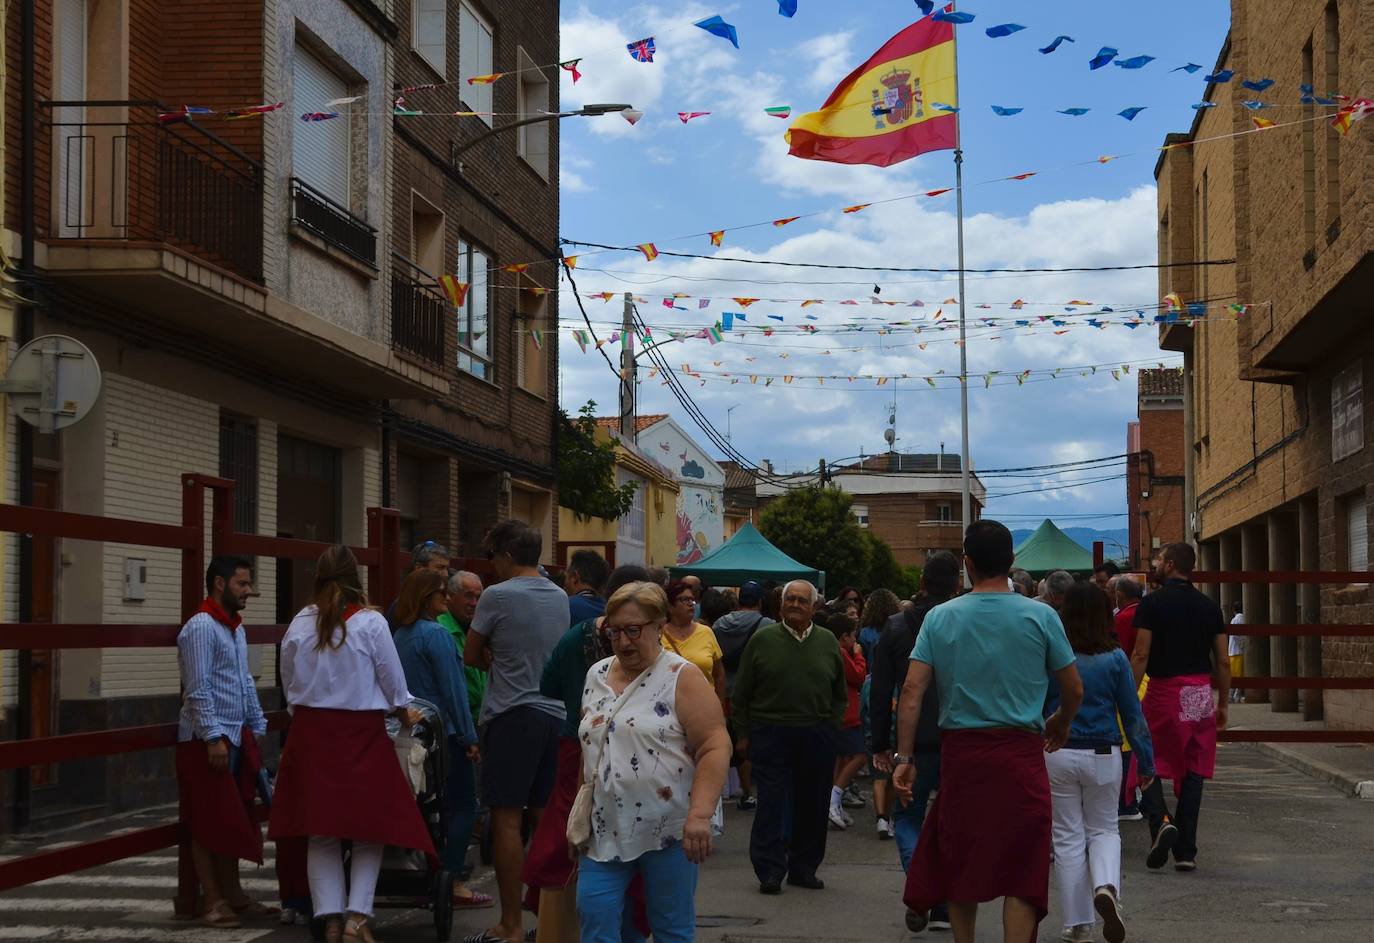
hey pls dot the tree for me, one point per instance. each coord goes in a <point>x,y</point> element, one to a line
<point>884,572</point>
<point>586,469</point>
<point>814,526</point>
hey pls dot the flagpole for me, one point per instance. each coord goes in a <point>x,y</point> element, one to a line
<point>967,499</point>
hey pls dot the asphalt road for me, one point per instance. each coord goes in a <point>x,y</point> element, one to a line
<point>1283,857</point>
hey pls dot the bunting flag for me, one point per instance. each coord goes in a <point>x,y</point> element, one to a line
<point>581,337</point>
<point>703,304</point>
<point>717,237</point>
<point>537,339</point>
<point>857,208</point>
<point>319,115</point>
<point>938,192</point>
<point>876,115</point>
<point>632,115</point>
<point>571,260</point>
<point>714,334</point>
<point>780,111</point>
<point>941,106</point>
<point>571,67</point>
<point>1357,110</point>
<point>649,249</point>
<point>1262,124</point>
<point>1260,86</point>
<point>1219,78</point>
<point>253,111</point>
<point>1130,113</point>
<point>456,291</point>
<point>516,269</point>
<point>1173,302</point>
<point>486,79</point>
<point>1058,40</point>
<point>1135,62</point>
<point>1006,29</point>
<point>686,116</point>
<point>1190,68</point>
<point>787,7</point>
<point>642,50</point>
<point>785,220</point>
<point>954,18</point>
<point>537,292</point>
<point>745,302</point>
<point>1026,176</point>
<point>811,301</point>
<point>1104,55</point>
<point>1006,112</point>
<point>1075,112</point>
<point>717,26</point>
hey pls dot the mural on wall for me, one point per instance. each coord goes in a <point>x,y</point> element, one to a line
<point>700,524</point>
<point>701,502</point>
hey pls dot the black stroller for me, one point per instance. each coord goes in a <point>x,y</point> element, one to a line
<point>408,879</point>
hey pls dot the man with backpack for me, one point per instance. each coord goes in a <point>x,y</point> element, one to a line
<point>733,632</point>
<point>891,658</point>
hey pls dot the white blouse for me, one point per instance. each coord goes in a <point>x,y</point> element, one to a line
<point>362,674</point>
<point>635,752</point>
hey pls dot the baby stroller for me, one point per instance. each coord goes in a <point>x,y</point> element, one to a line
<point>408,878</point>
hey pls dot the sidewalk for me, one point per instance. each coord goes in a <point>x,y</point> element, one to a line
<point>1350,766</point>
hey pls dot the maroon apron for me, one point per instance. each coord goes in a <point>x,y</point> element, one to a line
<point>216,805</point>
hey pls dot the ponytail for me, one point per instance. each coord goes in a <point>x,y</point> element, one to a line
<point>336,588</point>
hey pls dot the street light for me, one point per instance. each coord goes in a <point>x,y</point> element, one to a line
<point>586,111</point>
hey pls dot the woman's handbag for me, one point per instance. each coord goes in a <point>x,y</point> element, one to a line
<point>579,831</point>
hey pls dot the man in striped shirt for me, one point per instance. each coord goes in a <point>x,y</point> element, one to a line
<point>217,751</point>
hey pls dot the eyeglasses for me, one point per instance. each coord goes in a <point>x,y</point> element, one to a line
<point>631,632</point>
<point>686,599</point>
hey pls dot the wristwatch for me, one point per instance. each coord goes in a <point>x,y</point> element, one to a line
<point>901,760</point>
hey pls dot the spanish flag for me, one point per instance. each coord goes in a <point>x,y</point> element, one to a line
<point>881,114</point>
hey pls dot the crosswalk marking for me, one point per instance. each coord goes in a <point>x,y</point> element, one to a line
<point>161,882</point>
<point>144,934</point>
<point>10,904</point>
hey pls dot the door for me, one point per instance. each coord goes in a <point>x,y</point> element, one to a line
<point>308,508</point>
<point>43,663</point>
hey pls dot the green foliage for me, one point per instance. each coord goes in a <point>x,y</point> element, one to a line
<point>814,526</point>
<point>586,469</point>
<point>884,572</point>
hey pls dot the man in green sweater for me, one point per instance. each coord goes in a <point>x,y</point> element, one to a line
<point>464,589</point>
<point>789,699</point>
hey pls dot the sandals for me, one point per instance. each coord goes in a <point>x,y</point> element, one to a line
<point>255,909</point>
<point>358,930</point>
<point>221,917</point>
<point>333,930</point>
<point>474,901</point>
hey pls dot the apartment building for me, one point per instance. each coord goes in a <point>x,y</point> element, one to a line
<point>1277,472</point>
<point>1155,466</point>
<point>241,285</point>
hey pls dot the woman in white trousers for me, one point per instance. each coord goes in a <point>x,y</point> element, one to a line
<point>1085,776</point>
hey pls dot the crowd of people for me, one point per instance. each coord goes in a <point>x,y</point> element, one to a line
<point>599,721</point>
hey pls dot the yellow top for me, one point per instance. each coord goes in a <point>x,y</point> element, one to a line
<point>700,648</point>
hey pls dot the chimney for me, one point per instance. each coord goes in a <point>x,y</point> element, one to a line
<point>767,466</point>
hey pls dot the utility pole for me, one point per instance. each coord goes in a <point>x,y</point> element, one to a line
<point>627,371</point>
<point>823,474</point>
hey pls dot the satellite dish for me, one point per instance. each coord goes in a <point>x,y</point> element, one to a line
<point>53,382</point>
<point>890,435</point>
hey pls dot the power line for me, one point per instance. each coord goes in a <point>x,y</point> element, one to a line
<point>877,268</point>
<point>1076,484</point>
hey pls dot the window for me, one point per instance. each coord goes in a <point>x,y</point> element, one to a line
<point>474,317</point>
<point>630,525</point>
<point>1354,519</point>
<point>532,142</point>
<point>1347,412</point>
<point>860,512</point>
<point>1333,140</point>
<point>238,461</point>
<point>475,57</point>
<point>71,145</point>
<point>532,338</point>
<point>426,235</point>
<point>320,149</point>
<point>944,513</point>
<point>427,33</point>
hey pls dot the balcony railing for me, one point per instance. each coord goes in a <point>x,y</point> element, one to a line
<point>114,171</point>
<point>419,312</point>
<point>317,213</point>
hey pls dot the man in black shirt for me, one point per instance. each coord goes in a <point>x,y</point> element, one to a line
<point>891,658</point>
<point>1181,643</point>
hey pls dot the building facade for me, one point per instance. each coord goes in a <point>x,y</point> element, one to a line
<point>244,287</point>
<point>1277,471</point>
<point>1155,466</point>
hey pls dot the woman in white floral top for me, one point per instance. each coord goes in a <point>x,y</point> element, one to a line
<point>655,747</point>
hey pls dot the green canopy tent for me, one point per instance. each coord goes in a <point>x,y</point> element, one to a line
<point>1050,549</point>
<point>748,556</point>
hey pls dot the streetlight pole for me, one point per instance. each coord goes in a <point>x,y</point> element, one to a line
<point>586,111</point>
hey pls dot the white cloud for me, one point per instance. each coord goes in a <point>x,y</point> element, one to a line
<point>830,57</point>
<point>570,181</point>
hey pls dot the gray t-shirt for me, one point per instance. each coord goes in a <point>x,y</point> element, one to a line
<point>523,619</point>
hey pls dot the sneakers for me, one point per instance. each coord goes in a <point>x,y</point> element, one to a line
<point>852,800</point>
<point>838,819</point>
<point>885,830</point>
<point>1163,844</point>
<point>1129,813</point>
<point>939,918</point>
<point>1082,933</point>
<point>748,803</point>
<point>1109,909</point>
<point>915,920</point>
<point>1188,865</point>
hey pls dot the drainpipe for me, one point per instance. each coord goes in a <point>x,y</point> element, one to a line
<point>386,453</point>
<point>1190,527</point>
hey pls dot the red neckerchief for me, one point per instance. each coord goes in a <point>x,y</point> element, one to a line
<point>351,611</point>
<point>215,611</point>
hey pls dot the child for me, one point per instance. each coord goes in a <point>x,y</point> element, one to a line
<point>1236,650</point>
<point>852,752</point>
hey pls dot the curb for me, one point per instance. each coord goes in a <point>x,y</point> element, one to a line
<point>1348,784</point>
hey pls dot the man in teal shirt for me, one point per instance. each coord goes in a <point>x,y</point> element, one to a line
<point>464,589</point>
<point>990,654</point>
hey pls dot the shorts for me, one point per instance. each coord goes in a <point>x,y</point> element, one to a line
<point>519,758</point>
<point>850,742</point>
<point>1237,666</point>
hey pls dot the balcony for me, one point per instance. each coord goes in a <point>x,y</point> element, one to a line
<point>317,214</point>
<point>116,173</point>
<point>419,313</point>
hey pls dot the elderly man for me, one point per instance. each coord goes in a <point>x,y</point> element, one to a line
<point>990,654</point>
<point>430,555</point>
<point>1056,585</point>
<point>585,584</point>
<point>789,699</point>
<point>464,589</point>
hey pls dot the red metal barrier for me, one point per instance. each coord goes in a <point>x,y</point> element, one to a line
<point>382,556</point>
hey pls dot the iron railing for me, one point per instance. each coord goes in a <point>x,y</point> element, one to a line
<point>317,213</point>
<point>116,171</point>
<point>419,312</point>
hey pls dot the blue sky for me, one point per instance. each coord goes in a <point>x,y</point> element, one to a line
<point>662,179</point>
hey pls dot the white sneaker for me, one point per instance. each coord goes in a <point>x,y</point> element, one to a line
<point>1082,933</point>
<point>838,819</point>
<point>885,830</point>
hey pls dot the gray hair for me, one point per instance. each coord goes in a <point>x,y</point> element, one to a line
<point>1023,580</point>
<point>1129,588</point>
<point>1059,582</point>
<point>815,593</point>
<point>427,551</point>
<point>455,582</point>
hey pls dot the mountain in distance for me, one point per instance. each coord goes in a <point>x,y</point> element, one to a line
<point>1115,542</point>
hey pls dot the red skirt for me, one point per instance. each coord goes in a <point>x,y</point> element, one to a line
<point>1183,726</point>
<point>217,807</point>
<point>988,831</point>
<point>340,778</point>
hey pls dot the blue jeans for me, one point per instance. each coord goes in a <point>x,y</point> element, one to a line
<point>461,796</point>
<point>670,888</point>
<point>908,818</point>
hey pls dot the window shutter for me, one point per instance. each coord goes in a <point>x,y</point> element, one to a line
<point>474,58</point>
<point>429,32</point>
<point>1357,531</point>
<point>320,149</point>
<point>71,147</point>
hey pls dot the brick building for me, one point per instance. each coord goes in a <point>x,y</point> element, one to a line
<point>259,296</point>
<point>1155,467</point>
<point>1277,473</point>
